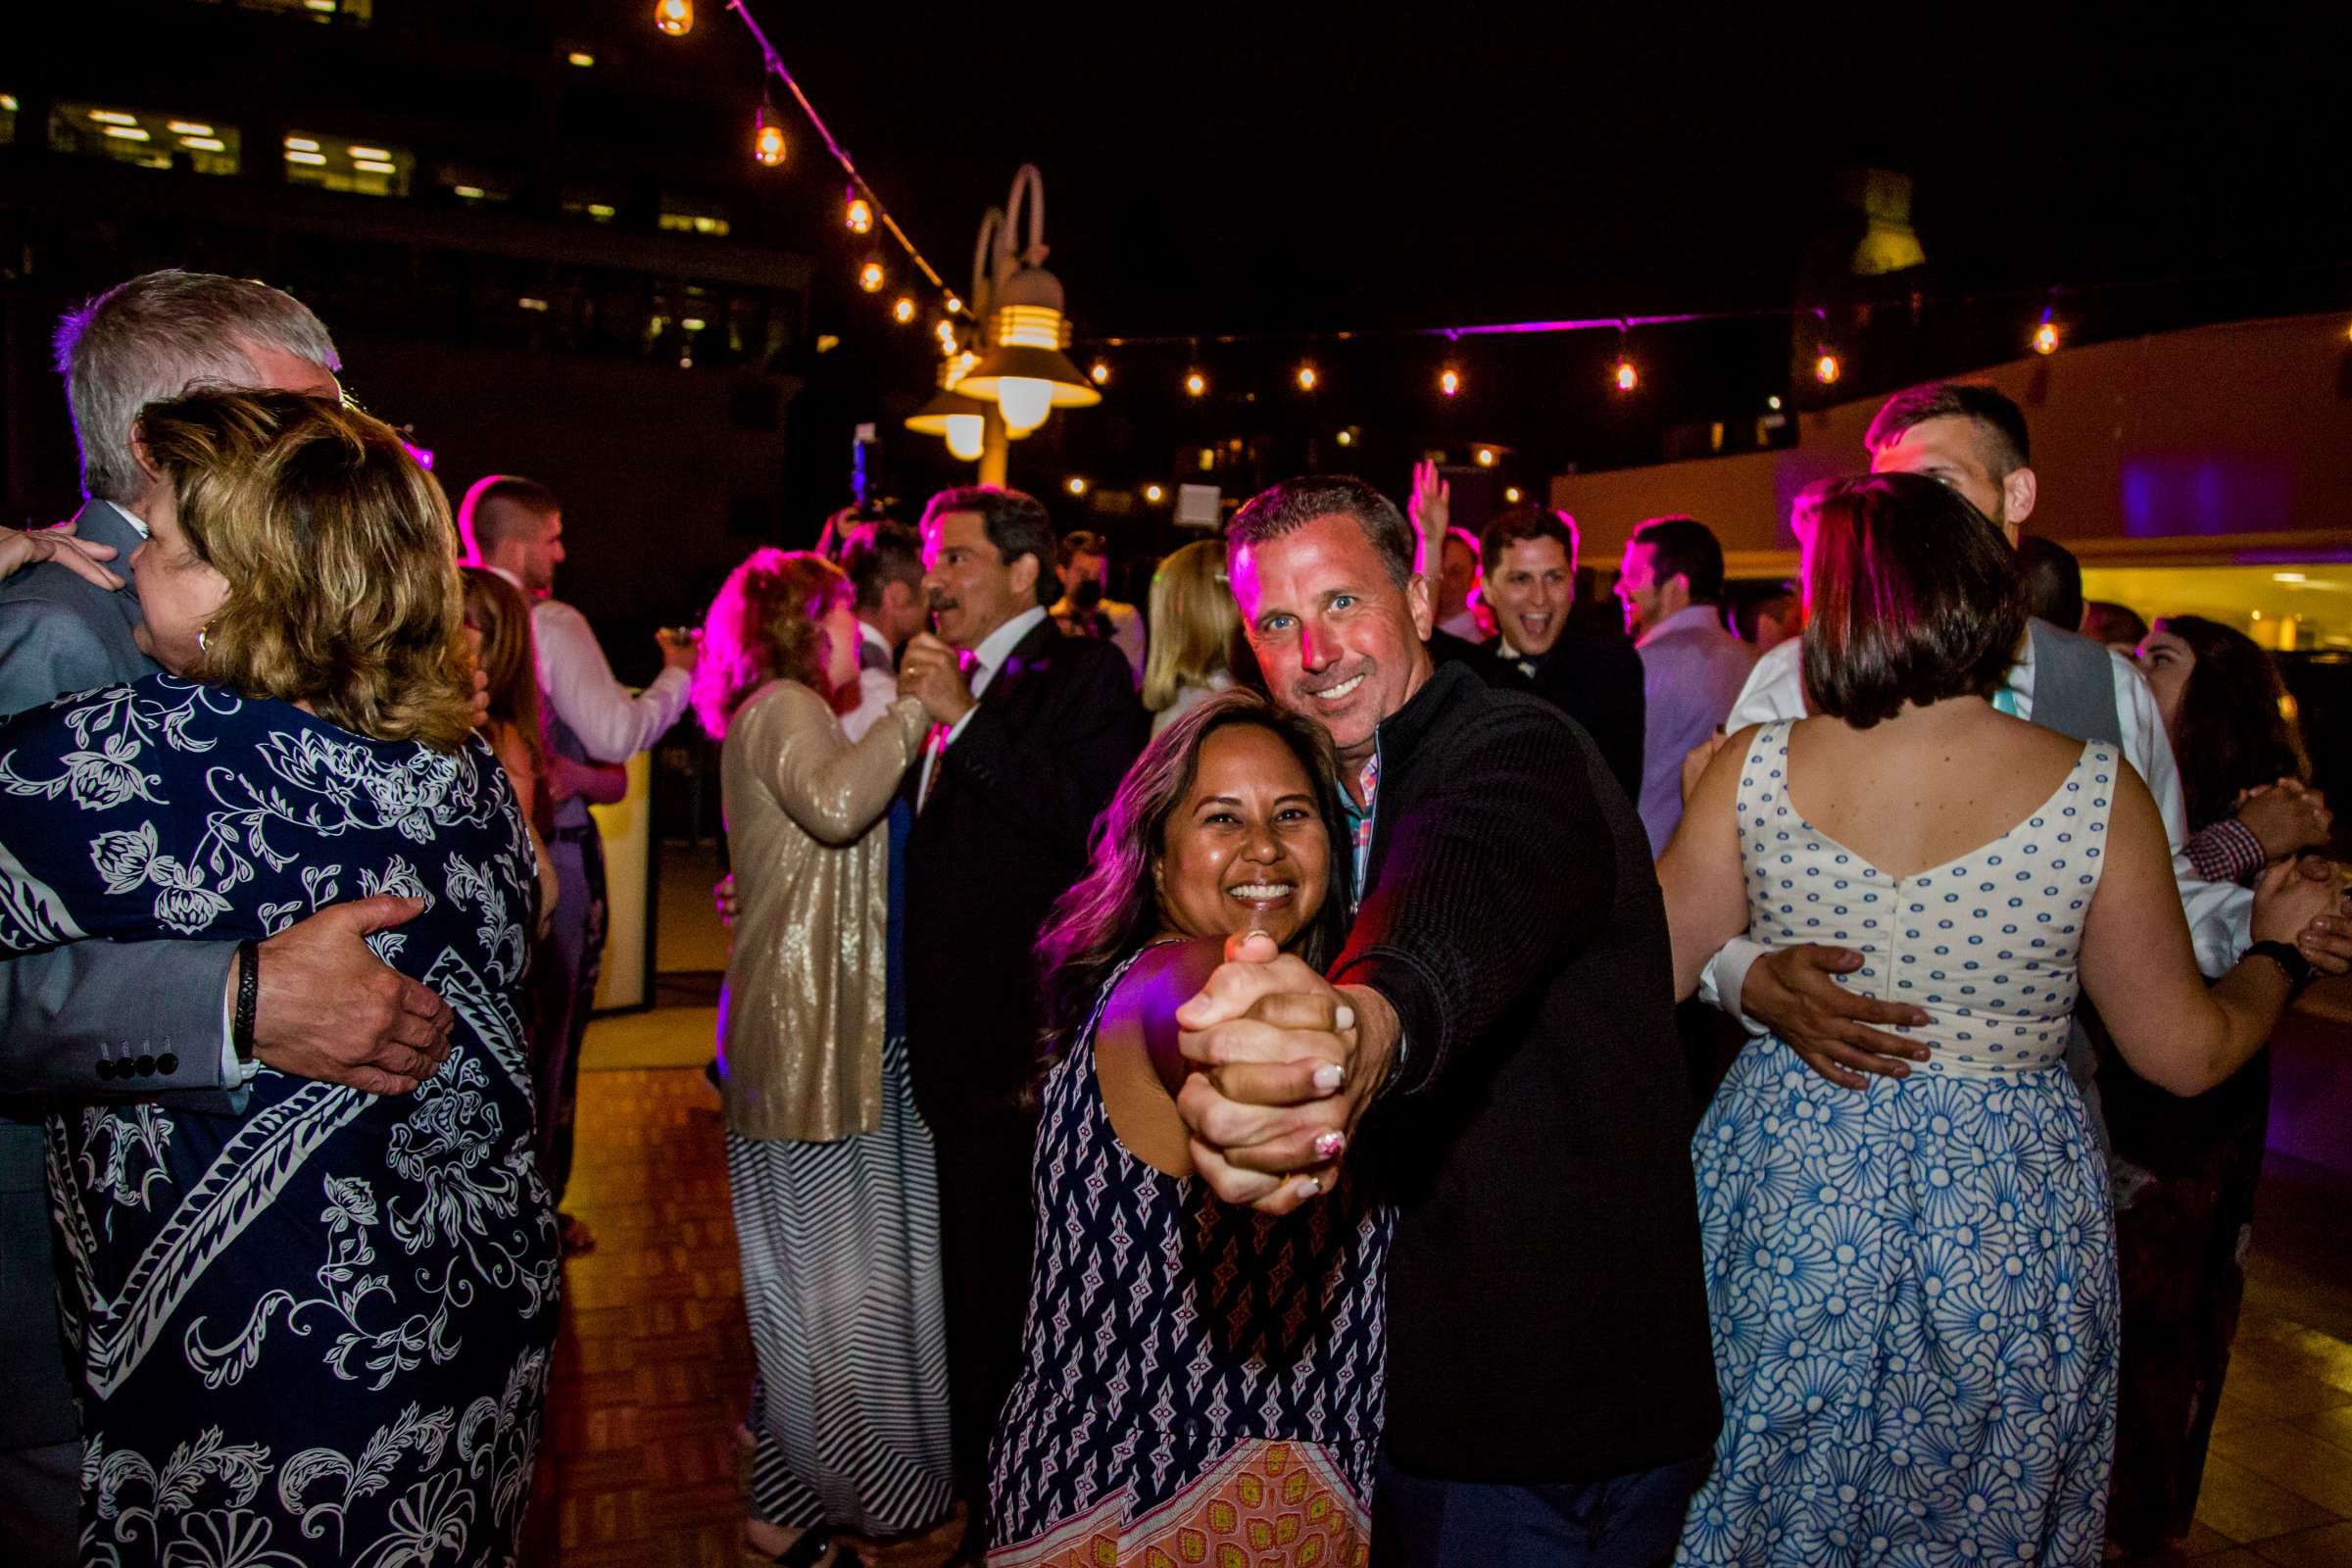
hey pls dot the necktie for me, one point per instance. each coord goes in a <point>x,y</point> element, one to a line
<point>935,748</point>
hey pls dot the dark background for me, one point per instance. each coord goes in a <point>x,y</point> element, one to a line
<point>1210,169</point>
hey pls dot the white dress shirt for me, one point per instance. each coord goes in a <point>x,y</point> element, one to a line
<point>877,689</point>
<point>987,660</point>
<point>579,685</point>
<point>2220,914</point>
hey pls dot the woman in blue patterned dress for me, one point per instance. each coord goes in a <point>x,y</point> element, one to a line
<point>1913,1286</point>
<point>315,1332</point>
<point>1198,1379</point>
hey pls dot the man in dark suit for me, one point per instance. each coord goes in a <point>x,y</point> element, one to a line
<point>1032,731</point>
<point>1546,645</point>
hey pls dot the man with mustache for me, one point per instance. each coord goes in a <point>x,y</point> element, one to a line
<point>1032,730</point>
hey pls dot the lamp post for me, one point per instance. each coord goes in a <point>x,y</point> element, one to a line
<point>1009,367</point>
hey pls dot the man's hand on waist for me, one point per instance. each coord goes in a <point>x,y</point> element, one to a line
<point>330,1010</point>
<point>1794,992</point>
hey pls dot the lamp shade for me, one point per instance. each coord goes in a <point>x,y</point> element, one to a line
<point>956,417</point>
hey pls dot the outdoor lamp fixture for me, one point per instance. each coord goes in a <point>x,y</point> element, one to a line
<point>951,413</point>
<point>675,16</point>
<point>1024,370</point>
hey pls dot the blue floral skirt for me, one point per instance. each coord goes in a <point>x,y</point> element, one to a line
<point>1913,1295</point>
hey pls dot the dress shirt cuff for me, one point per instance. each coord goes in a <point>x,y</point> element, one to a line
<point>234,1074</point>
<point>2227,850</point>
<point>1726,976</point>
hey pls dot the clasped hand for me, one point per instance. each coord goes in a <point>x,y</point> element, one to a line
<point>1283,1068</point>
<point>932,672</point>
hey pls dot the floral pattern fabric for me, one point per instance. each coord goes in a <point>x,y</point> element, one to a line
<point>1913,1287</point>
<point>316,1332</point>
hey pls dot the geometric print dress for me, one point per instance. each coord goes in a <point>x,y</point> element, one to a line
<point>1200,1383</point>
<point>1913,1286</point>
<point>314,1330</point>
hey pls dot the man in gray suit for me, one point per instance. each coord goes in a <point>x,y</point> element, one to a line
<point>99,1018</point>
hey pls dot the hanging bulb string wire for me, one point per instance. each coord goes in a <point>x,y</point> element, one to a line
<point>783,74</point>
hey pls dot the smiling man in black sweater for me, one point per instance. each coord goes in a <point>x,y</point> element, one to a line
<point>1552,1390</point>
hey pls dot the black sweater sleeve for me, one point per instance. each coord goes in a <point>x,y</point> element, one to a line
<point>1490,871</point>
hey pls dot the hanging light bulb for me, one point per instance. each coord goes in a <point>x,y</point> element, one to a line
<point>767,138</point>
<point>1628,377</point>
<point>1307,378</point>
<point>1026,400</point>
<point>1195,384</point>
<point>871,277</point>
<point>955,306</point>
<point>1485,457</point>
<point>1075,485</point>
<point>1100,372</point>
<point>902,311</point>
<point>861,215</point>
<point>1511,495</point>
<point>1449,381</point>
<point>1154,494</point>
<point>675,16</point>
<point>1825,369</point>
<point>2045,336</point>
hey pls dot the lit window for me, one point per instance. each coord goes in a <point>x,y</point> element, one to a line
<point>135,136</point>
<point>596,204</point>
<point>682,217</point>
<point>356,12</point>
<point>364,169</point>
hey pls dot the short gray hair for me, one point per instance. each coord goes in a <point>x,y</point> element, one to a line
<point>157,337</point>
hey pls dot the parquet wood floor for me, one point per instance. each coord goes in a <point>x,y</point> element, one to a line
<point>639,1464</point>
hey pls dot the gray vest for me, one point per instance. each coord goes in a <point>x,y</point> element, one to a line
<point>2074,685</point>
<point>2074,694</point>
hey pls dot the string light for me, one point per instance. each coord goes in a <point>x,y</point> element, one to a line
<point>871,277</point>
<point>1511,495</point>
<point>1485,457</point>
<point>1195,384</point>
<point>1307,378</point>
<point>1100,372</point>
<point>675,16</point>
<point>1449,381</point>
<point>1346,438</point>
<point>767,138</point>
<point>944,331</point>
<point>1825,369</point>
<point>955,306</point>
<point>903,312</point>
<point>1154,494</point>
<point>1075,485</point>
<point>2045,336</point>
<point>860,216</point>
<point>1628,377</point>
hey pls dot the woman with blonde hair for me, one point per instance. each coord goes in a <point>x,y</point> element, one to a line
<point>318,1331</point>
<point>1193,629</point>
<point>499,620</point>
<point>836,1202</point>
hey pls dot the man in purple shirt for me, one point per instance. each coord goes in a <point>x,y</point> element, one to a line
<point>1671,585</point>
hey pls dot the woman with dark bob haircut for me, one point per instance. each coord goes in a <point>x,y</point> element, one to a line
<point>1197,1380</point>
<point>1913,1284</point>
<point>316,1331</point>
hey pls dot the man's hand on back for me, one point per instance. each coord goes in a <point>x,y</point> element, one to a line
<point>1285,1064</point>
<point>1792,991</point>
<point>329,1009</point>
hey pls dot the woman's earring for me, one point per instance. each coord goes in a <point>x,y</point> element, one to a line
<point>199,631</point>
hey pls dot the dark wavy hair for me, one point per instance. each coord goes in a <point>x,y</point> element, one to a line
<point>2233,731</point>
<point>1115,909</point>
<point>1911,596</point>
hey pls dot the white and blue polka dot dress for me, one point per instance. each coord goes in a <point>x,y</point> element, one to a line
<point>1913,1286</point>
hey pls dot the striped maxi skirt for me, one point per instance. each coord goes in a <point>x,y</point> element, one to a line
<point>841,1286</point>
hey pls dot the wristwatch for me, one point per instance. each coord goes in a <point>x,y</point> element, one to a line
<point>2288,958</point>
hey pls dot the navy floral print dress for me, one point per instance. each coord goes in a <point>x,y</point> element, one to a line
<point>315,1332</point>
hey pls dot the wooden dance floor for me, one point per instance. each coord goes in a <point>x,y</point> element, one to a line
<point>640,1464</point>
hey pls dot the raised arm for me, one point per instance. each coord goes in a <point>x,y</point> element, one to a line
<point>2140,970</point>
<point>1706,893</point>
<point>832,788</point>
<point>580,687</point>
